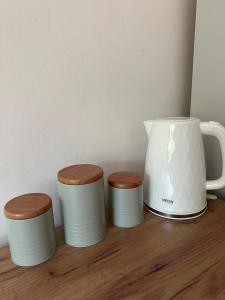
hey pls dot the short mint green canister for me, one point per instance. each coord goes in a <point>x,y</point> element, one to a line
<point>30,228</point>
<point>82,200</point>
<point>125,199</point>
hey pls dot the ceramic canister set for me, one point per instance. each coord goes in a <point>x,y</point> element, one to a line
<point>174,187</point>
<point>29,217</point>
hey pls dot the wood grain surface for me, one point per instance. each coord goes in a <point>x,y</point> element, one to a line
<point>160,259</point>
<point>27,206</point>
<point>80,174</point>
<point>125,180</point>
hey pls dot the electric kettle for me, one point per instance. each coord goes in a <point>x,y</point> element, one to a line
<point>175,174</point>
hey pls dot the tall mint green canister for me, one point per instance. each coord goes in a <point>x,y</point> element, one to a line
<point>30,227</point>
<point>82,199</point>
<point>125,199</point>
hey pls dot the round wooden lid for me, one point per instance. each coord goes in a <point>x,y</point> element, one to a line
<point>80,174</point>
<point>27,206</point>
<point>125,180</point>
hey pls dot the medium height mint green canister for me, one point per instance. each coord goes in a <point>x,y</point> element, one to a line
<point>125,199</point>
<point>82,199</point>
<point>30,227</point>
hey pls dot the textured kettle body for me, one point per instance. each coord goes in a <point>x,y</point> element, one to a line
<point>175,172</point>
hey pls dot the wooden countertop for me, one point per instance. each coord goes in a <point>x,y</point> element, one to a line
<point>160,259</point>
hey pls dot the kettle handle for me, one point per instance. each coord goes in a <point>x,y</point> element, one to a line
<point>217,130</point>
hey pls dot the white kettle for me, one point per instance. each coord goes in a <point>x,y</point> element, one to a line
<point>175,174</point>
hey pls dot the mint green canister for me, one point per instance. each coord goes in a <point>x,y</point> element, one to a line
<point>30,228</point>
<point>82,200</point>
<point>125,199</point>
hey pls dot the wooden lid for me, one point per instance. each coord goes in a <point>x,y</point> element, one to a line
<point>27,206</point>
<point>125,180</point>
<point>80,174</point>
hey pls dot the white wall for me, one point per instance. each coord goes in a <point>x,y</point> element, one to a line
<point>208,92</point>
<point>77,80</point>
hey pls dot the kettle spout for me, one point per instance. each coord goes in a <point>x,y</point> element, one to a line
<point>148,127</point>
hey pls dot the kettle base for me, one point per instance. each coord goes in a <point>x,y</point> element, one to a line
<point>173,216</point>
